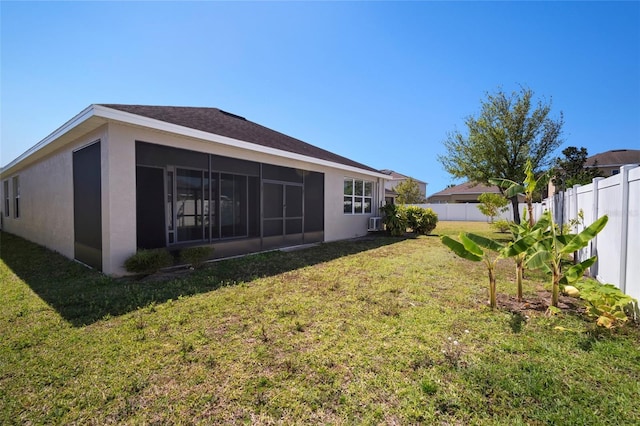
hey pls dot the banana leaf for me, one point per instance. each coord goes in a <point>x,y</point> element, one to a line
<point>485,242</point>
<point>540,257</point>
<point>575,272</point>
<point>470,245</point>
<point>459,249</point>
<point>582,239</point>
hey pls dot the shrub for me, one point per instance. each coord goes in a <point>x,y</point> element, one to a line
<point>196,256</point>
<point>148,261</point>
<point>395,219</point>
<point>421,221</point>
<point>605,303</point>
<point>501,225</point>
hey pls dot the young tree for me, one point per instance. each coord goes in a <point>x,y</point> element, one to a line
<point>492,204</point>
<point>508,130</point>
<point>409,192</point>
<point>571,169</point>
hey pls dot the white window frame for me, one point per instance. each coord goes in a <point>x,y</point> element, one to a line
<point>356,199</point>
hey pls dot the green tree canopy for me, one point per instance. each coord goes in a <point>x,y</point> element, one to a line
<point>409,192</point>
<point>509,129</point>
<point>571,169</point>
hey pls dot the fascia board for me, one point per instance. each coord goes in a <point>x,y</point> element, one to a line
<point>152,123</point>
<point>80,118</point>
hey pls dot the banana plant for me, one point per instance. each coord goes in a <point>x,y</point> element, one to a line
<point>471,247</point>
<point>550,248</point>
<point>524,237</point>
<point>512,189</point>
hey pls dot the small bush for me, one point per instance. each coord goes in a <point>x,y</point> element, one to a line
<point>196,256</point>
<point>501,225</point>
<point>606,303</point>
<point>148,261</point>
<point>395,219</point>
<point>421,221</point>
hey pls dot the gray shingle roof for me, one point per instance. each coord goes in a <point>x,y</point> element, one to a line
<point>615,157</point>
<point>219,122</point>
<point>468,188</point>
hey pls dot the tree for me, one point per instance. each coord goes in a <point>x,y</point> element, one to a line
<point>508,130</point>
<point>492,204</point>
<point>409,192</point>
<point>571,169</point>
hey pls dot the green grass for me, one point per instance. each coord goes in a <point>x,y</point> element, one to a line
<point>352,332</point>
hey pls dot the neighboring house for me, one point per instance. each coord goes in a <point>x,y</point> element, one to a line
<point>467,192</point>
<point>116,178</point>
<point>394,178</point>
<point>609,162</point>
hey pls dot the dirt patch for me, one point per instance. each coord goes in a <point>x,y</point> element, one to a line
<point>539,302</point>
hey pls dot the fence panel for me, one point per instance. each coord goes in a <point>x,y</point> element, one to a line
<point>618,245</point>
<point>608,244</point>
<point>469,211</point>
<point>633,235</point>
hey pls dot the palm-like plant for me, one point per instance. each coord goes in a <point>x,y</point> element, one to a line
<point>471,247</point>
<point>528,187</point>
<point>548,249</point>
<point>524,237</point>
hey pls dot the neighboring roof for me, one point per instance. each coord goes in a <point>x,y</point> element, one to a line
<point>398,176</point>
<point>615,157</point>
<point>467,188</point>
<point>212,121</point>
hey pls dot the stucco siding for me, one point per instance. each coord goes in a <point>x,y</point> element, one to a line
<point>46,199</point>
<point>118,199</point>
<point>338,225</point>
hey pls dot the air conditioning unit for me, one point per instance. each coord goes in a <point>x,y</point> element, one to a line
<point>375,224</point>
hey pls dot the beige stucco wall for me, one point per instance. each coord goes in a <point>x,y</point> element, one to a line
<point>46,199</point>
<point>118,160</point>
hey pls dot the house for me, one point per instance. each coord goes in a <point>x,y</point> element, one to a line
<point>609,162</point>
<point>395,178</point>
<point>117,178</point>
<point>467,192</point>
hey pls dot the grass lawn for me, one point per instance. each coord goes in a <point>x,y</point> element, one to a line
<point>356,332</point>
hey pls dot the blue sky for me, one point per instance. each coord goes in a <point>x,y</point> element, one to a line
<point>379,82</point>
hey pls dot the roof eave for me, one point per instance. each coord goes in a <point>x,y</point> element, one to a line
<point>135,119</point>
<point>105,113</point>
<point>31,154</point>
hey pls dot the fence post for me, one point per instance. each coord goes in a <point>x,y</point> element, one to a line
<point>624,210</point>
<point>574,207</point>
<point>594,242</point>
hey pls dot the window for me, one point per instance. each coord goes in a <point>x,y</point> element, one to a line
<point>16,197</point>
<point>5,192</point>
<point>358,196</point>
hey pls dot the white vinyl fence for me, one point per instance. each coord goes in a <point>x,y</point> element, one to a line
<point>470,212</point>
<point>618,245</point>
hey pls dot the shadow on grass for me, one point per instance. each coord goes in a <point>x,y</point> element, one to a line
<point>83,296</point>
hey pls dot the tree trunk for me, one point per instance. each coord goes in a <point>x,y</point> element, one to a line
<point>555,289</point>
<point>492,289</point>
<point>519,268</point>
<point>516,210</point>
<point>530,208</point>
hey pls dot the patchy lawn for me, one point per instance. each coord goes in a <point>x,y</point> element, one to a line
<point>378,330</point>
